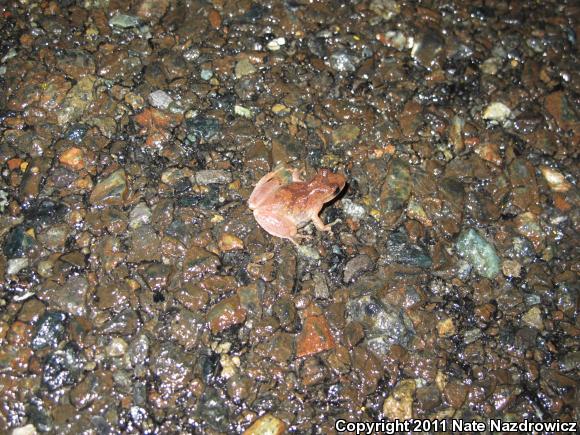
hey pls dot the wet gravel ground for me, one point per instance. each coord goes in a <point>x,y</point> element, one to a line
<point>138,294</point>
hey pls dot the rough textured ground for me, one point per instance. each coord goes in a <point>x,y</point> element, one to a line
<point>138,294</point>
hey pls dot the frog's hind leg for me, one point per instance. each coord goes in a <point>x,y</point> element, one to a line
<point>276,225</point>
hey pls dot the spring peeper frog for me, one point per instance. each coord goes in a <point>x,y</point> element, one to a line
<point>282,202</point>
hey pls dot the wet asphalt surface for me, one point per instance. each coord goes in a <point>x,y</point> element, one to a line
<point>139,295</point>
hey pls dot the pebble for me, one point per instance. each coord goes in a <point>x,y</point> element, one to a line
<point>345,133</point>
<point>111,190</point>
<point>497,112</point>
<point>427,47</point>
<point>15,265</point>
<point>511,268</point>
<point>399,404</point>
<point>226,313</point>
<point>276,44</point>
<point>212,176</point>
<point>343,61</point>
<point>533,318</point>
<point>353,210</point>
<point>160,99</point>
<point>266,425</point>
<point>140,215</point>
<point>28,429</point>
<point>384,325</point>
<point>124,21</point>
<point>244,68</point>
<point>117,347</point>
<point>478,252</point>
<point>243,111</point>
<point>229,242</point>
<point>527,225</point>
<point>400,250</point>
<point>315,337</point>
<point>73,158</point>
<point>356,267</point>
<point>555,179</point>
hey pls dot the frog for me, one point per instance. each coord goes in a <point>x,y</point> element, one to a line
<point>282,202</point>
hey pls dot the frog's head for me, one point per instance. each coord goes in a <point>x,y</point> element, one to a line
<point>329,184</point>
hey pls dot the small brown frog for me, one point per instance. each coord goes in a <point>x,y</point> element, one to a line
<point>282,202</point>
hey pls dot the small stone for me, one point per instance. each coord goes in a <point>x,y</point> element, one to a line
<point>124,21</point>
<point>399,404</point>
<point>489,151</point>
<point>112,190</point>
<point>395,191</point>
<point>226,313</point>
<point>401,250</point>
<point>242,111</point>
<point>63,367</point>
<point>186,328</point>
<point>446,328</point>
<point>215,19</point>
<point>229,366</point>
<point>353,210</point>
<point>394,39</point>
<point>69,296</point>
<point>356,267</point>
<point>19,242</point>
<point>3,200</point>
<point>343,61</point>
<point>50,329</point>
<point>266,425</point>
<point>15,265</point>
<point>144,245</point>
<point>202,128</point>
<point>229,242</point>
<point>533,318</point>
<point>276,44</point>
<point>345,133</point>
<point>192,297</point>
<point>490,66</point>
<point>280,109</point>
<point>140,215</point>
<point>386,9</point>
<point>527,225</point>
<point>478,252</point>
<point>29,429</point>
<point>206,74</point>
<point>244,68</point>
<point>321,290</point>
<point>417,212</point>
<point>212,176</point>
<point>160,99</point>
<point>555,179</point>
<point>497,111</point>
<point>73,158</point>
<point>77,100</point>
<point>561,109</point>
<point>308,252</point>
<point>427,47</point>
<point>384,325</point>
<point>511,269</point>
<point>315,337</point>
<point>117,347</point>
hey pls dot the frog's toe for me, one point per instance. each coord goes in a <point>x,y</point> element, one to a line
<point>336,221</point>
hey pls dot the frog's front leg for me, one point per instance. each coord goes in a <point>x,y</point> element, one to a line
<point>318,223</point>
